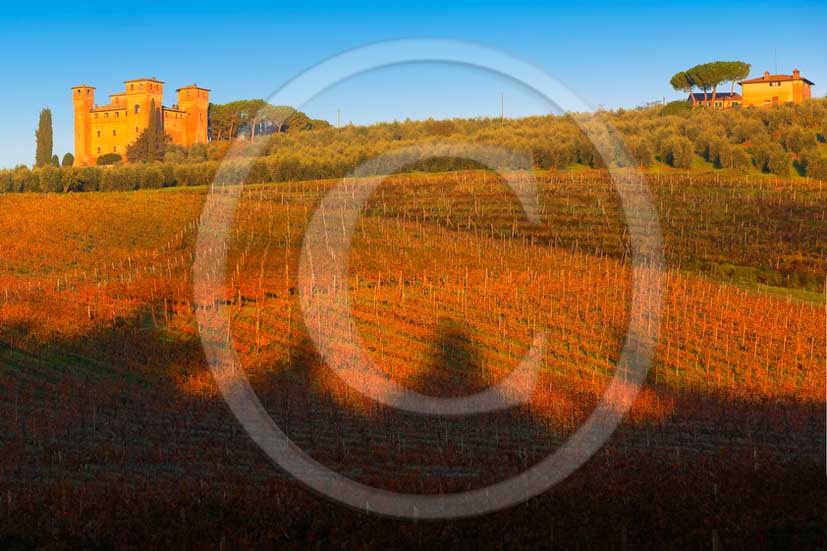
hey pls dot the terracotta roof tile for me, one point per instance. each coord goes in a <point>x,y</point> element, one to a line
<point>775,78</point>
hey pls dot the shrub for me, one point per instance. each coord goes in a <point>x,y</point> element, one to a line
<point>740,159</point>
<point>779,161</point>
<point>815,165</point>
<point>197,152</point>
<point>642,152</point>
<point>679,152</point>
<point>760,157</point>
<point>679,108</point>
<point>151,176</point>
<point>49,179</point>
<point>109,159</point>
<point>797,140</point>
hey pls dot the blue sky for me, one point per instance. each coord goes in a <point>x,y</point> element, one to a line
<point>612,54</point>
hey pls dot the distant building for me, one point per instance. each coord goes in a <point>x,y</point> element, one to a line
<point>722,100</point>
<point>110,128</point>
<point>759,92</point>
<point>775,89</point>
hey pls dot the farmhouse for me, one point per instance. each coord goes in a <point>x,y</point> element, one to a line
<point>775,89</point>
<point>763,91</point>
<point>102,129</point>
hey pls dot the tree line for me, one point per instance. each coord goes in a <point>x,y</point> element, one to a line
<point>254,117</point>
<point>784,141</point>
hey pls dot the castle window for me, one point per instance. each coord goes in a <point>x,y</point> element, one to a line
<point>78,92</point>
<point>99,150</point>
<point>137,109</point>
<point>136,129</point>
<point>117,113</point>
<point>131,86</point>
<point>88,92</point>
<point>96,115</point>
<point>114,132</point>
<point>114,148</point>
<point>99,133</point>
<point>106,115</point>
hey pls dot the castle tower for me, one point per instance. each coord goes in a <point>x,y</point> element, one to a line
<point>196,102</point>
<point>138,97</point>
<point>83,98</point>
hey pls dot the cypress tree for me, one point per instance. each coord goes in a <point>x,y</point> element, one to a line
<point>43,137</point>
<point>152,133</point>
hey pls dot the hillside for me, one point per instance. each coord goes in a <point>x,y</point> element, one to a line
<point>781,142</point>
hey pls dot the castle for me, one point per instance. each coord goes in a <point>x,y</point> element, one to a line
<point>764,91</point>
<point>110,128</point>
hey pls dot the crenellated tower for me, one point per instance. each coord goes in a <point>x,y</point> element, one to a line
<point>196,102</point>
<point>83,98</point>
<point>138,97</point>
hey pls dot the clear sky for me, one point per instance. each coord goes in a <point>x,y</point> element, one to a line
<point>612,54</point>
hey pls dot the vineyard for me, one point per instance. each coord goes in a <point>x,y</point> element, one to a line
<point>114,433</point>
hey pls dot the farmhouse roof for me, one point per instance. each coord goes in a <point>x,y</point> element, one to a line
<point>767,77</point>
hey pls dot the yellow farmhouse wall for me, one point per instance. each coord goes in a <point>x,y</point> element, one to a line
<point>759,94</point>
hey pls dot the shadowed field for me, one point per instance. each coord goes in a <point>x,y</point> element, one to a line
<point>114,433</point>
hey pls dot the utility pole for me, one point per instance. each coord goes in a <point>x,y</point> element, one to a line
<point>502,107</point>
<point>338,118</point>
